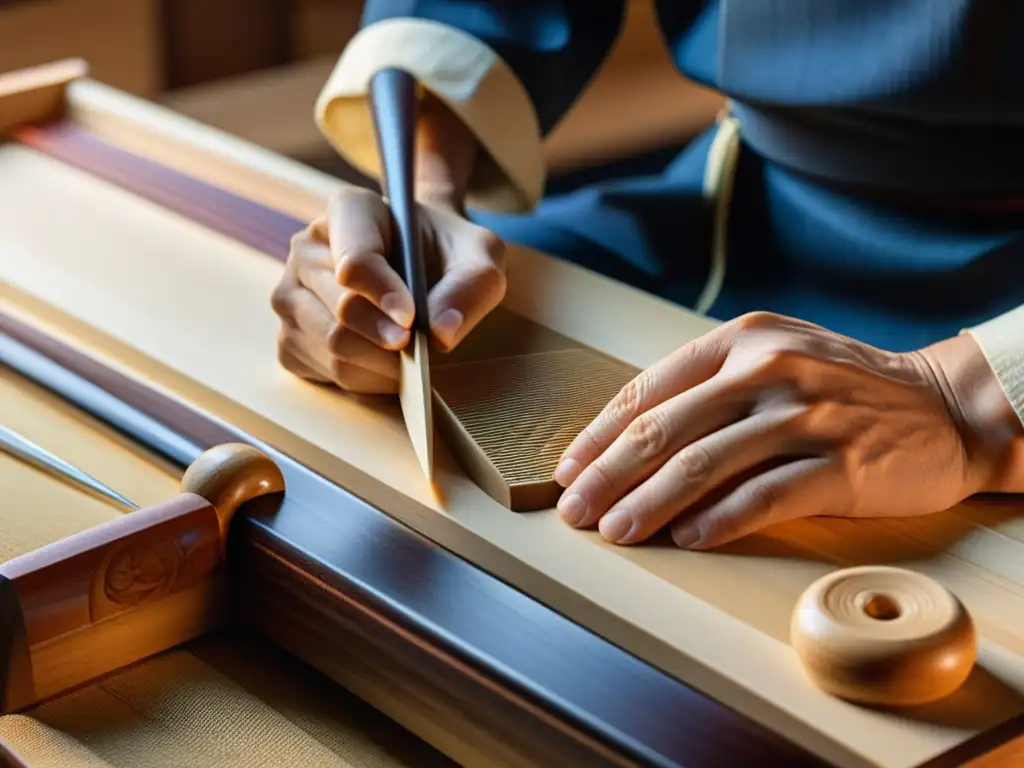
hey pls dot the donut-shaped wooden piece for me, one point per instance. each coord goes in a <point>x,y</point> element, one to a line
<point>883,636</point>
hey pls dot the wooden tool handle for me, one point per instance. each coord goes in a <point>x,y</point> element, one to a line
<point>394,100</point>
<point>132,587</point>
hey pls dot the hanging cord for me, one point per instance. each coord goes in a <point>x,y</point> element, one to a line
<point>719,176</point>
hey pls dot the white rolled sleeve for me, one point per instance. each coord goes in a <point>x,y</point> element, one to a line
<point>463,72</point>
<point>1002,342</point>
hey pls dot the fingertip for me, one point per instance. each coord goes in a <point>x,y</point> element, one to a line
<point>446,327</point>
<point>567,472</point>
<point>399,307</point>
<point>686,534</point>
<point>618,527</point>
<point>393,337</point>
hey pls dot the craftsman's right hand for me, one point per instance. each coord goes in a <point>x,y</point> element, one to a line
<point>345,312</point>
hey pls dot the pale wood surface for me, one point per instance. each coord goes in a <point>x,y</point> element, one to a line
<point>52,424</point>
<point>138,285</point>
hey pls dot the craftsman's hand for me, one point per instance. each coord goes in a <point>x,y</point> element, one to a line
<point>346,312</point>
<point>767,419</point>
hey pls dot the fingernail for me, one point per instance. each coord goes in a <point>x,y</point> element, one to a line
<point>685,536</point>
<point>446,325</point>
<point>572,508</point>
<point>392,334</point>
<point>398,307</point>
<point>616,525</point>
<point>567,472</point>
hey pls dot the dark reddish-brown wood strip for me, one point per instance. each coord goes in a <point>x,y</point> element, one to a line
<point>258,226</point>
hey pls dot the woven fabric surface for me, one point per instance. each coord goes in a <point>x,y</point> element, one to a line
<point>221,701</point>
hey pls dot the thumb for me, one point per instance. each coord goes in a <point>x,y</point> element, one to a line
<point>472,285</point>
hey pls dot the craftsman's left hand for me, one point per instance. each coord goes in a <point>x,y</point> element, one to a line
<point>767,419</point>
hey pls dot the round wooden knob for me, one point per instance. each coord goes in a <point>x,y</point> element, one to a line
<point>883,636</point>
<point>230,474</point>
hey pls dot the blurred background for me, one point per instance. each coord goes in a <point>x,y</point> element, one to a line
<point>255,67</point>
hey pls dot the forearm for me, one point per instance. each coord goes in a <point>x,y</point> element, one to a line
<point>992,429</point>
<point>446,153</point>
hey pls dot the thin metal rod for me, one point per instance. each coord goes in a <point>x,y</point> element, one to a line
<point>20,447</point>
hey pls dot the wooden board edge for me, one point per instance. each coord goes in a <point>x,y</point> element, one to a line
<point>1001,746</point>
<point>36,94</point>
<point>470,457</point>
<point>9,757</point>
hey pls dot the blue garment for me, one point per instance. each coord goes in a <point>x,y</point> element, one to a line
<point>842,103</point>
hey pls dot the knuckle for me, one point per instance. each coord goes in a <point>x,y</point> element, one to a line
<point>756,321</point>
<point>340,341</point>
<point>348,309</point>
<point>778,364</point>
<point>628,404</point>
<point>350,194</point>
<point>763,499</point>
<point>648,435</point>
<point>695,465</point>
<point>490,278</point>
<point>600,475</point>
<point>297,241</point>
<point>341,374</point>
<point>286,346</point>
<point>353,263</point>
<point>281,301</point>
<point>494,247</point>
<point>817,419</point>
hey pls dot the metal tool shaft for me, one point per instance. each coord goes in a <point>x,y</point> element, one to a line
<point>25,450</point>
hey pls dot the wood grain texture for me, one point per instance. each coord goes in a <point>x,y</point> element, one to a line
<point>455,635</point>
<point>509,418</point>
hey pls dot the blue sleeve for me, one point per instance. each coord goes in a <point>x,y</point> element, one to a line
<point>553,46</point>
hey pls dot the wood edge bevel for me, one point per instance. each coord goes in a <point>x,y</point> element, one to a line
<point>36,94</point>
<point>981,750</point>
<point>470,457</point>
<point>9,757</point>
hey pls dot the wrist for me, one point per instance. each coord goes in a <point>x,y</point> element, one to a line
<point>446,154</point>
<point>992,433</point>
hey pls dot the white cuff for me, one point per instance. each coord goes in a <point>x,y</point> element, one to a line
<point>475,83</point>
<point>1002,342</point>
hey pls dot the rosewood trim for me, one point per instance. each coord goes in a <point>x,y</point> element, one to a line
<point>265,229</point>
<point>472,629</point>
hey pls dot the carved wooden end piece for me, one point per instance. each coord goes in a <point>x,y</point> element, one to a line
<point>508,420</point>
<point>115,594</point>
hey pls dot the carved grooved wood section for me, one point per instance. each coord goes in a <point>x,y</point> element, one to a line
<point>62,603</point>
<point>116,593</point>
<point>509,419</point>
